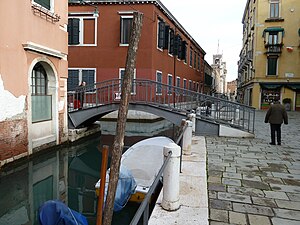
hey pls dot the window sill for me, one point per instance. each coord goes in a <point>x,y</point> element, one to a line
<point>123,45</point>
<point>274,20</point>
<point>45,13</point>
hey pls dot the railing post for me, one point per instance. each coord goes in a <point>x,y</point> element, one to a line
<point>213,111</point>
<point>170,199</point>
<point>192,117</point>
<point>187,138</point>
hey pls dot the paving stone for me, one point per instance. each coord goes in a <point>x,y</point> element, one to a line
<point>272,180</point>
<point>255,184</point>
<point>272,169</point>
<point>259,220</point>
<point>294,196</point>
<point>212,194</point>
<point>280,221</point>
<point>251,177</point>
<point>252,209</point>
<point>291,182</point>
<point>232,175</point>
<point>237,218</point>
<point>288,204</point>
<point>230,169</point>
<point>294,171</point>
<point>217,223</point>
<point>212,179</point>
<point>216,187</point>
<point>215,173</point>
<point>285,188</point>
<point>220,204</point>
<point>264,202</point>
<point>234,197</point>
<point>245,191</point>
<point>232,182</point>
<point>286,175</point>
<point>287,213</point>
<point>218,215</point>
<point>276,195</point>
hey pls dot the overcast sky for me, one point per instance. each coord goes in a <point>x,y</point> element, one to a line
<point>208,21</point>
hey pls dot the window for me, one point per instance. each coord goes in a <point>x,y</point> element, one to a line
<point>82,31</point>
<point>190,85</point>
<point>178,82</point>
<point>41,102</point>
<point>121,76</point>
<point>198,62</point>
<point>126,24</point>
<point>184,85</point>
<point>161,34</point>
<point>170,83</point>
<point>183,51</point>
<point>195,59</point>
<point>191,57</point>
<point>272,65</point>
<point>274,9</point>
<point>76,76</point>
<point>159,82</point>
<point>171,41</point>
<point>273,38</point>
<point>45,3</point>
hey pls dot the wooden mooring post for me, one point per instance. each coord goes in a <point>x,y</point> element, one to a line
<point>122,116</point>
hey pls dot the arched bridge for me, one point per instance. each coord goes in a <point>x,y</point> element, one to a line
<point>169,102</point>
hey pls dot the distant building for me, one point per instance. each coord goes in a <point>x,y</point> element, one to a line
<point>98,45</point>
<point>219,68</point>
<point>209,84</point>
<point>269,67</point>
<point>232,90</point>
<point>33,76</point>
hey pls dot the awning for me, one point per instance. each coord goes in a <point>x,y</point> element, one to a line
<point>295,87</point>
<point>273,29</point>
<point>270,85</point>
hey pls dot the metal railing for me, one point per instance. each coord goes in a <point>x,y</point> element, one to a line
<point>168,97</point>
<point>144,207</point>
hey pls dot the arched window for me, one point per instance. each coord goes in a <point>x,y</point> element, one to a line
<point>41,101</point>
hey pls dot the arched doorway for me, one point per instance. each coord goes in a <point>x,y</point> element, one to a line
<point>42,104</point>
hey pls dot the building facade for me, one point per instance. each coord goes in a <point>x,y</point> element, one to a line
<point>269,65</point>
<point>98,45</point>
<point>33,76</point>
<point>232,90</point>
<point>209,81</point>
<point>219,68</point>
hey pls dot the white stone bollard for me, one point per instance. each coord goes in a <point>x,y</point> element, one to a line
<point>213,110</point>
<point>237,115</point>
<point>192,117</point>
<point>187,139</point>
<point>170,199</point>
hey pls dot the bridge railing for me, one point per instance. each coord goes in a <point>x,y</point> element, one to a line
<point>169,97</point>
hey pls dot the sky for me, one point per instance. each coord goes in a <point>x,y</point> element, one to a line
<point>210,22</point>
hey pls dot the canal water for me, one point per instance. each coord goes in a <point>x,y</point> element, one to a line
<point>68,173</point>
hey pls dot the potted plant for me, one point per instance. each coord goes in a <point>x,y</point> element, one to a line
<point>287,103</point>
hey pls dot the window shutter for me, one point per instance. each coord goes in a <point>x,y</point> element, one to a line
<point>88,76</point>
<point>171,49</point>
<point>179,47</point>
<point>161,34</point>
<point>183,50</point>
<point>176,45</point>
<point>44,3</point>
<point>166,42</point>
<point>73,31</point>
<point>73,79</point>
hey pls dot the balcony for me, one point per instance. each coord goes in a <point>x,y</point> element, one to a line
<point>273,49</point>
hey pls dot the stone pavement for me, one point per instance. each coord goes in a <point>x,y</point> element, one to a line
<point>251,182</point>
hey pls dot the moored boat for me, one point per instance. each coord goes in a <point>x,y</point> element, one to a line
<point>143,160</point>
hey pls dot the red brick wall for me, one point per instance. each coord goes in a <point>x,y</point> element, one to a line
<point>13,138</point>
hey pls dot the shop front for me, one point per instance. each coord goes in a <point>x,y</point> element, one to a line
<point>270,93</point>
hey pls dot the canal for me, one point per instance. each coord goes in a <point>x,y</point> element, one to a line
<point>68,173</point>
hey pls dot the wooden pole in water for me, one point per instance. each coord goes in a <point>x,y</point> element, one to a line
<point>102,184</point>
<point>118,144</point>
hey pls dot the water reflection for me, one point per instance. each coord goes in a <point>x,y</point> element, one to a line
<point>68,174</point>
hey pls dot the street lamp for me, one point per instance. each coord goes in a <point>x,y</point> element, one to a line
<point>96,11</point>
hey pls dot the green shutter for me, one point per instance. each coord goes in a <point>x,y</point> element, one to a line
<point>44,3</point>
<point>73,31</point>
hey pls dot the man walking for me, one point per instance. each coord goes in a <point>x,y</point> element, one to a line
<point>276,115</point>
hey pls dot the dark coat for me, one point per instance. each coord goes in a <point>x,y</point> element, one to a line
<point>276,115</point>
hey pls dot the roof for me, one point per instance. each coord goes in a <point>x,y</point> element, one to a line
<point>158,3</point>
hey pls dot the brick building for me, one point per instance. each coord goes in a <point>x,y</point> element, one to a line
<point>98,44</point>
